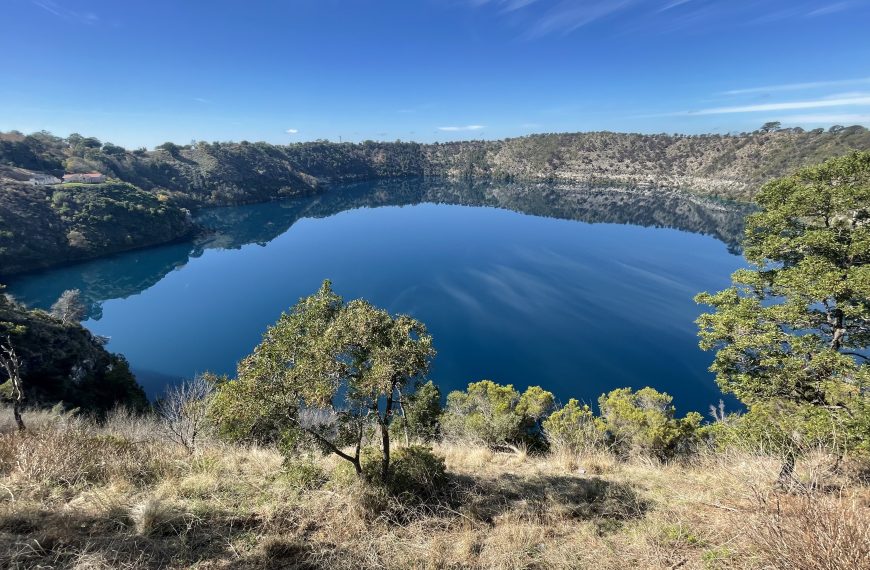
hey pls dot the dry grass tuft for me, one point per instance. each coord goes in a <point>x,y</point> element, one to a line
<point>155,517</point>
<point>813,531</point>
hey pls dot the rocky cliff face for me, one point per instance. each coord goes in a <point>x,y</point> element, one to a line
<point>724,166</point>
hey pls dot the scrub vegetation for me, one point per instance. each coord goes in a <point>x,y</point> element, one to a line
<point>331,448</point>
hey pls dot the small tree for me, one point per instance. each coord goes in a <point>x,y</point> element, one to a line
<point>184,410</point>
<point>770,126</point>
<point>69,308</point>
<point>420,414</point>
<point>11,365</point>
<point>325,374</point>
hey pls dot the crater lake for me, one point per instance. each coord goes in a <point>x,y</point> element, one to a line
<point>577,289</point>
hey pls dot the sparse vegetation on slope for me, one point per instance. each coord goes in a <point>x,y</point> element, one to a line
<point>62,362</point>
<point>41,226</point>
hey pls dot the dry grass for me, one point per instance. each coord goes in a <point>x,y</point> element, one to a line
<point>77,495</point>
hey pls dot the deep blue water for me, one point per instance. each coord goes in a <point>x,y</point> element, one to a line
<point>598,296</point>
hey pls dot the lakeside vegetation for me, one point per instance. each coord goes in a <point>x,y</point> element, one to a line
<point>331,448</point>
<point>61,362</point>
<point>44,226</point>
<point>146,200</point>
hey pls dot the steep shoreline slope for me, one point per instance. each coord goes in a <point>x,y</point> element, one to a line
<point>144,203</point>
<point>64,362</point>
<point>42,226</point>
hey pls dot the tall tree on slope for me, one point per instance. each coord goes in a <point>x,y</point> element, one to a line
<point>795,327</point>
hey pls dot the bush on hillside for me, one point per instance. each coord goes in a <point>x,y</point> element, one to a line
<point>65,363</point>
<point>422,412</point>
<point>496,415</point>
<point>418,482</point>
<point>643,423</point>
<point>783,428</point>
<point>575,428</point>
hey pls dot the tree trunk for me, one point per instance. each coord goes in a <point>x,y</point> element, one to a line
<point>838,331</point>
<point>12,366</point>
<point>16,411</point>
<point>404,419</point>
<point>385,434</point>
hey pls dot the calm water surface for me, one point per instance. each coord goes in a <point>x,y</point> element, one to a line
<point>578,290</point>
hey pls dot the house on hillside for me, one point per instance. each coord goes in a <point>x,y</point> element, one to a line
<point>85,178</point>
<point>44,180</point>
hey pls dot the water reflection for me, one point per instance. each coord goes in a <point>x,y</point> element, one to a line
<point>128,274</point>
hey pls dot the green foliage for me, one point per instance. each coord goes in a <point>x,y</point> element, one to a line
<point>796,327</point>
<point>575,428</point>
<point>325,375</point>
<point>422,414</point>
<point>65,363</point>
<point>417,475</point>
<point>496,415</point>
<point>787,428</point>
<point>643,422</point>
<point>417,478</point>
<point>59,224</point>
<point>304,474</point>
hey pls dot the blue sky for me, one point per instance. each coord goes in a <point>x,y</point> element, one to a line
<point>138,73</point>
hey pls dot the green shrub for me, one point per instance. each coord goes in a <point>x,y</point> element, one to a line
<point>574,428</point>
<point>787,428</point>
<point>496,415</point>
<point>304,474</point>
<point>418,478</point>
<point>235,420</point>
<point>418,475</point>
<point>643,422</point>
<point>422,415</point>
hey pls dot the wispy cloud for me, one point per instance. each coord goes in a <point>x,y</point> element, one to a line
<point>799,86</point>
<point>831,9</point>
<point>569,16</point>
<point>202,100</point>
<point>786,106</point>
<point>506,5</point>
<point>65,13</point>
<point>541,18</point>
<point>463,128</point>
<point>292,131</point>
<point>672,4</point>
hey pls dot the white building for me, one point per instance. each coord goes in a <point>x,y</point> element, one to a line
<point>44,180</point>
<point>85,178</point>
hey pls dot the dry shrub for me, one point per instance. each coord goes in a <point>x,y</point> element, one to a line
<point>131,424</point>
<point>73,457</point>
<point>813,531</point>
<point>92,561</point>
<point>155,517</point>
<point>38,419</point>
